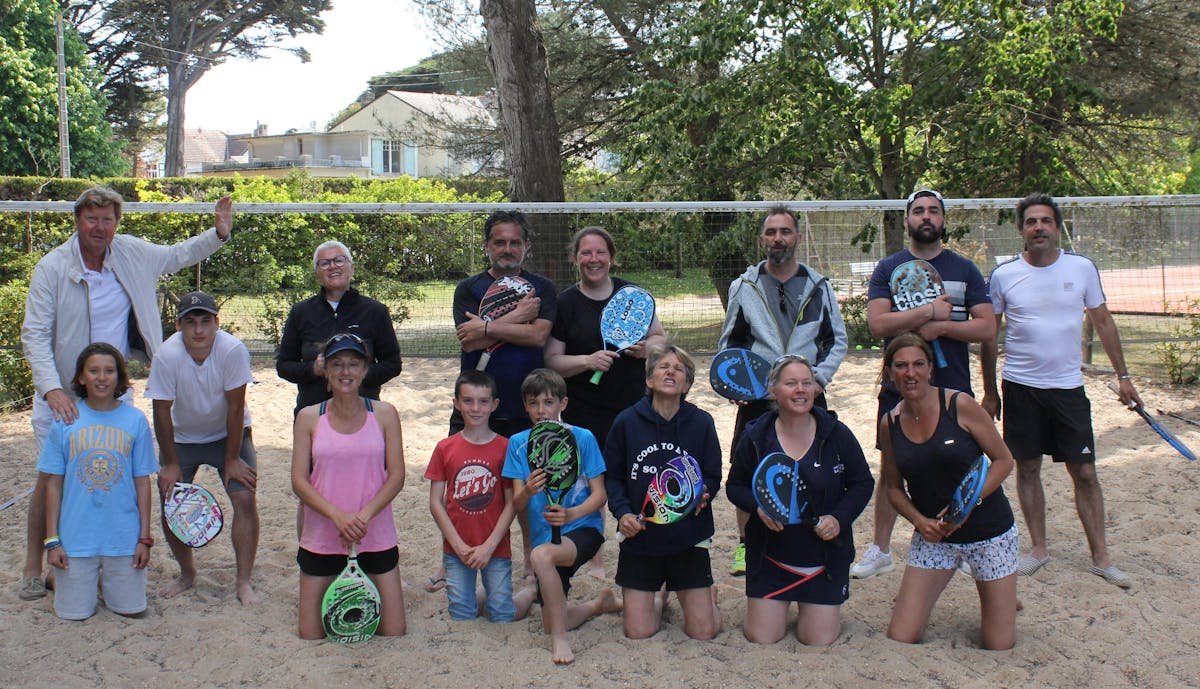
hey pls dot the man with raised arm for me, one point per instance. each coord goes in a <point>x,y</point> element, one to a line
<point>98,286</point>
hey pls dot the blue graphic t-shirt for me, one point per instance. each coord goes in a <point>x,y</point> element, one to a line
<point>98,457</point>
<point>591,465</point>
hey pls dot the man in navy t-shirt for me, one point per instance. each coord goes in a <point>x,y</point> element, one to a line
<point>961,315</point>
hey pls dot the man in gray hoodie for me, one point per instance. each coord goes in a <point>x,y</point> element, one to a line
<point>778,307</point>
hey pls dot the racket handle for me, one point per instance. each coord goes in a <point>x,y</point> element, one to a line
<point>556,535</point>
<point>596,377</point>
<point>483,360</point>
<point>937,353</point>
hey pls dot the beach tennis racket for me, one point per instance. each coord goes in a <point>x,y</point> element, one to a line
<point>350,610</point>
<point>500,298</point>
<point>553,449</point>
<point>739,374</point>
<point>968,493</point>
<point>192,514</point>
<point>781,492</point>
<point>1158,428</point>
<point>673,493</point>
<point>1173,415</point>
<point>626,320</point>
<point>915,284</point>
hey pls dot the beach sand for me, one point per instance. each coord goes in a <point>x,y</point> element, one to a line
<point>1075,630</point>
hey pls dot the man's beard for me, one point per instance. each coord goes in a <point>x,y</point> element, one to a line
<point>926,233</point>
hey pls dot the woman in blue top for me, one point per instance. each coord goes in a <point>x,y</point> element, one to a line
<point>801,563</point>
<point>928,442</point>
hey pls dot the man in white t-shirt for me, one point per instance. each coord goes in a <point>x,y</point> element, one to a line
<point>1043,293</point>
<point>198,384</point>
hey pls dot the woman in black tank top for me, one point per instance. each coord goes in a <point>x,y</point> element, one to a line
<point>928,442</point>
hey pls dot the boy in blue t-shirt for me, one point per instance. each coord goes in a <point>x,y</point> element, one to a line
<point>545,397</point>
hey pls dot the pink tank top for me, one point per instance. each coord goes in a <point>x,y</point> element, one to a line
<point>348,470</point>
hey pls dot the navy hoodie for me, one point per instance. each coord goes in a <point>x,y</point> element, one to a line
<point>839,482</point>
<point>640,442</point>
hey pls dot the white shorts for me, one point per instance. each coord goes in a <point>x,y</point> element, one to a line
<point>991,559</point>
<point>123,586</point>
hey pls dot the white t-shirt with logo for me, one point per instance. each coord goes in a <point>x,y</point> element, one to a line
<point>198,390</point>
<point>1044,309</point>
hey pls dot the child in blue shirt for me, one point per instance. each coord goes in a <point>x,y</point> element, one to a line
<point>545,397</point>
<point>98,493</point>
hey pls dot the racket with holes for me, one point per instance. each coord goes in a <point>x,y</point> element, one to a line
<point>625,320</point>
<point>969,492</point>
<point>192,514</point>
<point>500,298</point>
<point>673,493</point>
<point>781,492</point>
<point>739,374</point>
<point>913,285</point>
<point>553,449</point>
<point>350,609</point>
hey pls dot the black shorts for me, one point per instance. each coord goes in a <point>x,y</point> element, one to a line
<point>691,569</point>
<point>587,542</point>
<point>888,399</point>
<point>319,565</point>
<point>1051,422</point>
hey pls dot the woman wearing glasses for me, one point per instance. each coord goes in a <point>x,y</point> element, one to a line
<point>805,563</point>
<point>347,467</point>
<point>336,308</point>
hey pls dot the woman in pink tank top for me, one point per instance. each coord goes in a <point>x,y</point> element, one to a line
<point>347,467</point>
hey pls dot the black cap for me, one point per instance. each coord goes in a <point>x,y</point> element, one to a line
<point>196,301</point>
<point>343,342</point>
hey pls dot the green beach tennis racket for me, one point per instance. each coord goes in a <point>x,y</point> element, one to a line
<point>350,610</point>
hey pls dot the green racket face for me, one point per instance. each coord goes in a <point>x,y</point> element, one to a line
<point>553,449</point>
<point>350,610</point>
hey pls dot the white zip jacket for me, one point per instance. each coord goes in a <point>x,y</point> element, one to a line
<point>57,312</point>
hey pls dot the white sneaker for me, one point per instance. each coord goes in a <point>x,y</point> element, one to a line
<point>873,562</point>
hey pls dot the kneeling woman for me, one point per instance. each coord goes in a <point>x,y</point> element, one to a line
<point>347,466</point>
<point>646,439</point>
<point>928,442</point>
<point>801,563</point>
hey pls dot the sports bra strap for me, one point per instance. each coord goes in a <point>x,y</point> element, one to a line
<point>370,407</point>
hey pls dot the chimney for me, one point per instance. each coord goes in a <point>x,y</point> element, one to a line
<point>260,129</point>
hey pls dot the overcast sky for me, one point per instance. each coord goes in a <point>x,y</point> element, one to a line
<point>362,38</point>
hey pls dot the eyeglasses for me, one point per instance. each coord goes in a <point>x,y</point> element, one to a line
<point>344,336</point>
<point>783,300</point>
<point>792,359</point>
<point>335,262</point>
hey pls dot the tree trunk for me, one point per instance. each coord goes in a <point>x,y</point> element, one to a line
<point>176,98</point>
<point>517,59</point>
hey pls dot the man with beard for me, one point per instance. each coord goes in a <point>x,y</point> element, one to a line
<point>781,307</point>
<point>523,330</point>
<point>963,314</point>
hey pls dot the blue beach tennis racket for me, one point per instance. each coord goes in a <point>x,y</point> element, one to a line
<point>626,320</point>
<point>781,492</point>
<point>350,609</point>
<point>739,374</point>
<point>968,493</point>
<point>1158,428</point>
<point>913,285</point>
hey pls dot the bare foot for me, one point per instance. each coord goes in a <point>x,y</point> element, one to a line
<point>563,655</point>
<point>246,594</point>
<point>181,584</point>
<point>608,601</point>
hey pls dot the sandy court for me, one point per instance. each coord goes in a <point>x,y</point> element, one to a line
<point>1076,630</point>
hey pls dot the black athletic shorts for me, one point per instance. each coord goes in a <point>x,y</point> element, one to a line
<point>691,569</point>
<point>319,565</point>
<point>587,542</point>
<point>1051,422</point>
